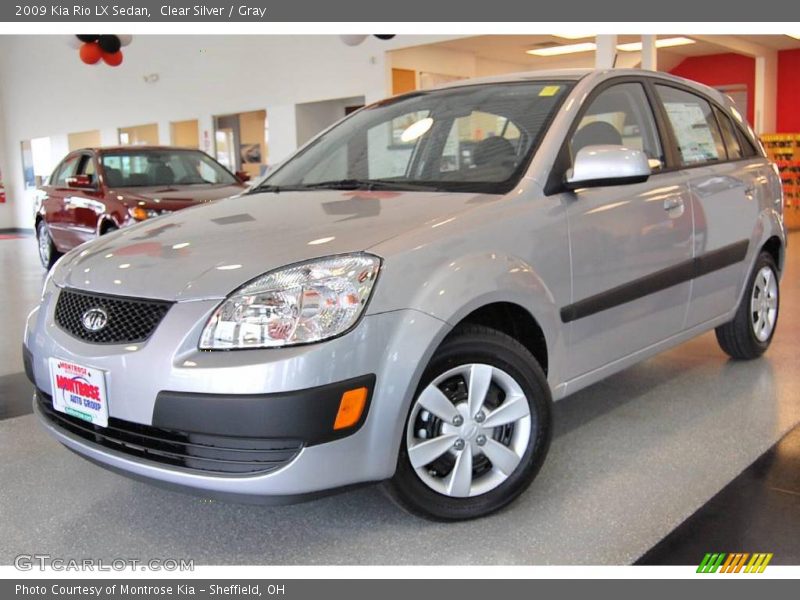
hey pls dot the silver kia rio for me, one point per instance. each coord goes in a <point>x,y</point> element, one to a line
<point>402,300</point>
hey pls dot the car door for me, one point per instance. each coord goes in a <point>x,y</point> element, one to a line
<point>86,203</point>
<point>723,186</point>
<point>56,207</point>
<point>627,242</point>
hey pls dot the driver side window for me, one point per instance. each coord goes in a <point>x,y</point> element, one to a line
<point>621,116</point>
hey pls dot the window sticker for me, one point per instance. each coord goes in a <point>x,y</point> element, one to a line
<point>691,128</point>
<point>550,90</point>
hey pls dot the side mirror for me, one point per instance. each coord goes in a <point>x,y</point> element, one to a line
<point>80,182</point>
<point>243,176</point>
<point>598,166</point>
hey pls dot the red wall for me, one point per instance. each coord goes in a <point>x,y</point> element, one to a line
<point>788,117</point>
<point>723,69</point>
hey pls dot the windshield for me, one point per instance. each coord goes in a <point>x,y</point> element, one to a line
<point>141,168</point>
<point>476,138</point>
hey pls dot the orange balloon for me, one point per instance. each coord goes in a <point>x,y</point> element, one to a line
<point>113,59</point>
<point>90,53</point>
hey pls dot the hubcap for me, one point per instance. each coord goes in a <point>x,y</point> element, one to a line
<point>764,304</point>
<point>468,430</point>
<point>44,244</point>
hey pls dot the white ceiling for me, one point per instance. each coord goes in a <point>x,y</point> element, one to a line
<point>512,48</point>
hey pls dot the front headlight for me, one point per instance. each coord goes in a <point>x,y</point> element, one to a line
<point>303,303</point>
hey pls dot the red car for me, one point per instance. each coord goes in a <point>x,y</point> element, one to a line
<point>97,190</point>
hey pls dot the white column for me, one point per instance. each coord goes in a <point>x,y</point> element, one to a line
<point>282,132</point>
<point>205,129</point>
<point>164,133</point>
<point>649,53</point>
<point>766,92</point>
<point>7,216</point>
<point>606,51</point>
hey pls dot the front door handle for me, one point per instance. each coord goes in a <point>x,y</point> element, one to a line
<point>673,203</point>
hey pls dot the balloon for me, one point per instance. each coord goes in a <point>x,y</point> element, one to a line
<point>113,59</point>
<point>91,53</point>
<point>109,43</point>
<point>383,36</point>
<point>88,38</point>
<point>124,40</point>
<point>73,42</point>
<point>352,40</point>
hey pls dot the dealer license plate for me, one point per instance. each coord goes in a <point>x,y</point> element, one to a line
<point>79,391</point>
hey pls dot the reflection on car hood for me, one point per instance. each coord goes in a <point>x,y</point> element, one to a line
<point>209,250</point>
<point>176,197</point>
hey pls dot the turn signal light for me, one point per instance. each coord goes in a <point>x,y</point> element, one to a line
<point>139,213</point>
<point>350,408</point>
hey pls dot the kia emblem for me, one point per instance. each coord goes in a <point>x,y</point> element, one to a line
<point>94,319</point>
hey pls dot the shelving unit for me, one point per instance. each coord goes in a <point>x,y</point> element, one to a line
<point>784,150</point>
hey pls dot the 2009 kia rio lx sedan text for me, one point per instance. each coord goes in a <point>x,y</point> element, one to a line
<point>403,299</point>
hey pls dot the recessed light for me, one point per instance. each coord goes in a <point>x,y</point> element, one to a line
<point>662,43</point>
<point>573,36</point>
<point>565,49</point>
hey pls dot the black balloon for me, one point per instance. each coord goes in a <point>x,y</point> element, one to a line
<point>109,43</point>
<point>383,36</point>
<point>88,39</point>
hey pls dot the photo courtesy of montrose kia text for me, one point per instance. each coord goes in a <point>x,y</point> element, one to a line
<point>398,300</point>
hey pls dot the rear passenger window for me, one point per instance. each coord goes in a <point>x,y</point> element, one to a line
<point>748,149</point>
<point>693,123</point>
<point>729,135</point>
<point>619,115</point>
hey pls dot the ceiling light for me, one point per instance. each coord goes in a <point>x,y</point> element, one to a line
<point>566,49</point>
<point>662,43</point>
<point>416,130</point>
<point>573,36</point>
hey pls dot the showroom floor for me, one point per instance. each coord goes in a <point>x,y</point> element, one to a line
<point>632,458</point>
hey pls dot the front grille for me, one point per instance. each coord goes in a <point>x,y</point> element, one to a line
<point>130,320</point>
<point>199,452</point>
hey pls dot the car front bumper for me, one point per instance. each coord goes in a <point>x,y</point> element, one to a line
<point>167,384</point>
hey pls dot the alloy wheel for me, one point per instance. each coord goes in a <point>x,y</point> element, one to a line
<point>43,239</point>
<point>764,304</point>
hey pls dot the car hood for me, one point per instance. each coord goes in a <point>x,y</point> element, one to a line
<point>209,250</point>
<point>176,197</point>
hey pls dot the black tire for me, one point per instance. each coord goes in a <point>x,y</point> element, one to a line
<point>108,228</point>
<point>48,253</point>
<point>478,344</point>
<point>738,337</point>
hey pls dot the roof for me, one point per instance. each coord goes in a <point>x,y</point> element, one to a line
<point>120,148</point>
<point>576,74</point>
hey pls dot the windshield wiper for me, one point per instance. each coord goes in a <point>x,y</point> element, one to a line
<point>367,184</point>
<point>347,184</point>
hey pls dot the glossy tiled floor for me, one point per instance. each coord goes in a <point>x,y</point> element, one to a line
<point>632,458</point>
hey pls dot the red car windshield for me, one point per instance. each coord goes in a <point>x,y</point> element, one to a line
<point>146,168</point>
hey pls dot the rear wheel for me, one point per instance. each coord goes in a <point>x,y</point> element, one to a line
<point>477,431</point>
<point>48,253</point>
<point>749,334</point>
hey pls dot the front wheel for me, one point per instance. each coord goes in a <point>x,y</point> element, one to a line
<point>749,334</point>
<point>48,253</point>
<point>477,431</point>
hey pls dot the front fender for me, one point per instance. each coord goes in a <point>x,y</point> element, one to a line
<point>452,289</point>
